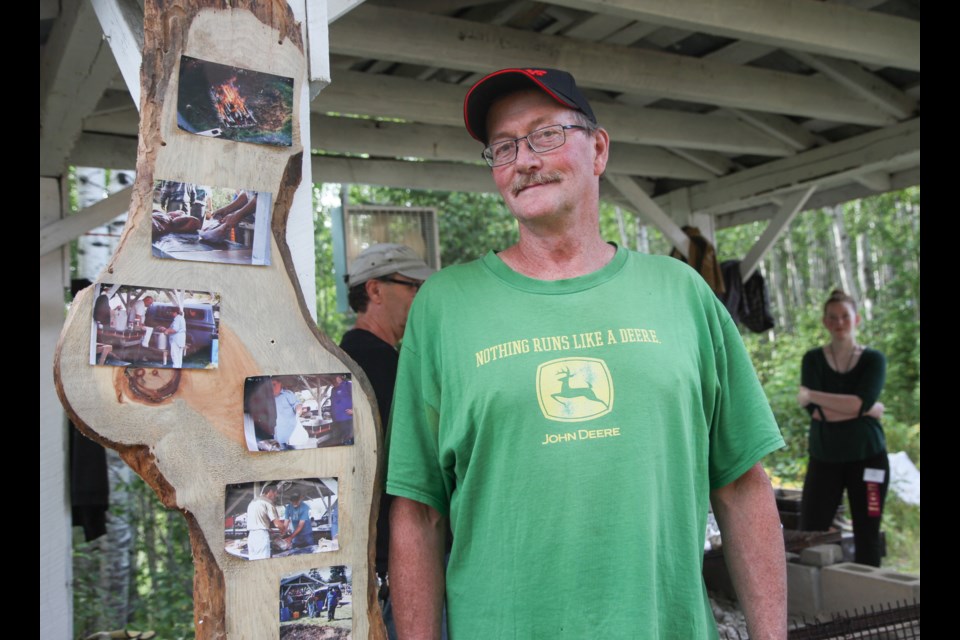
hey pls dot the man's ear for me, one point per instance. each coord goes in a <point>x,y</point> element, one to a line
<point>373,290</point>
<point>602,150</point>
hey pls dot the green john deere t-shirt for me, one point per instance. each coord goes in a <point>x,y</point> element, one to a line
<point>572,431</point>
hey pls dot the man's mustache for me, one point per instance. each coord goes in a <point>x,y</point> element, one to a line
<point>522,182</point>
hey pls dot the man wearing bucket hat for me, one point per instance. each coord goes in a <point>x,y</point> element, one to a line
<point>383,279</point>
<point>573,409</point>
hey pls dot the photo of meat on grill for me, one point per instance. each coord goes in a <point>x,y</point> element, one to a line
<point>231,103</point>
<point>204,223</point>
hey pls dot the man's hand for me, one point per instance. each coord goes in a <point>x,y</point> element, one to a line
<point>746,511</point>
<point>417,538</point>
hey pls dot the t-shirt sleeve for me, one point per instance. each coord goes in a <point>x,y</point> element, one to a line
<point>414,470</point>
<point>811,371</point>
<point>873,374</point>
<point>743,428</point>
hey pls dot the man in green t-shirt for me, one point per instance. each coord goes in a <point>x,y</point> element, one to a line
<point>573,409</point>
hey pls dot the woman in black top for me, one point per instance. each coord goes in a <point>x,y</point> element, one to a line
<point>840,388</point>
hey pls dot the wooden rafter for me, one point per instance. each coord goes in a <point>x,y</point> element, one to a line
<point>58,233</point>
<point>822,198</point>
<point>407,36</point>
<point>789,208</point>
<point>442,104</point>
<point>872,87</point>
<point>817,27</point>
<point>122,24</point>
<point>75,69</point>
<point>646,207</point>
<point>827,166</point>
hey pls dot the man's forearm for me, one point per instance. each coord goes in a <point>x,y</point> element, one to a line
<point>746,511</point>
<point>416,568</point>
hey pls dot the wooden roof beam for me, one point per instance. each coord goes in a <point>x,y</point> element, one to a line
<point>650,210</point>
<point>75,70</point>
<point>783,129</point>
<point>790,207</point>
<point>441,176</point>
<point>441,103</point>
<point>106,151</point>
<point>827,166</point>
<point>815,27</point>
<point>56,234</point>
<point>872,87</point>
<point>432,142</point>
<point>406,36</point>
<point>335,9</point>
<point>122,24</point>
<point>822,198</point>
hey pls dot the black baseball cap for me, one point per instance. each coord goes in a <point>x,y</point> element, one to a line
<point>557,84</point>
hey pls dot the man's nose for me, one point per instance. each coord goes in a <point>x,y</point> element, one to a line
<point>526,156</point>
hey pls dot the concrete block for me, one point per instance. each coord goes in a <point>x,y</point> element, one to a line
<point>793,557</point>
<point>803,590</point>
<point>822,555</point>
<point>849,586</point>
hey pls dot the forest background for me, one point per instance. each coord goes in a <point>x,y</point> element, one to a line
<point>141,576</point>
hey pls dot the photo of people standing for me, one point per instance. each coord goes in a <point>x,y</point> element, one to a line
<point>298,411</point>
<point>274,519</point>
<point>153,327</point>
<point>317,604</point>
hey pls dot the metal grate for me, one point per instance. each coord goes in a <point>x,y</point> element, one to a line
<point>888,622</point>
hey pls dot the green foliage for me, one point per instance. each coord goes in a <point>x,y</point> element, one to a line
<point>883,235</point>
<point>901,526</point>
<point>329,321</point>
<point>470,224</point>
<point>162,567</point>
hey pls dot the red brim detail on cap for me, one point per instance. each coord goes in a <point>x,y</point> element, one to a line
<point>526,74</point>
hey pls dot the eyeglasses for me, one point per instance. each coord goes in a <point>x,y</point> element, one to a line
<point>541,140</point>
<point>414,285</point>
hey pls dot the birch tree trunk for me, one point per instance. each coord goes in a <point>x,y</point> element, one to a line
<point>793,275</point>
<point>116,548</point>
<point>643,238</point>
<point>841,245</point>
<point>863,269</point>
<point>622,227</point>
<point>814,261</point>
<point>776,283</point>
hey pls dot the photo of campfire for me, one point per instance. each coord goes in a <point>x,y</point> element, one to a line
<point>210,224</point>
<point>154,328</point>
<point>220,101</point>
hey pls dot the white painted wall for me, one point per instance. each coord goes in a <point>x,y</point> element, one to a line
<point>56,610</point>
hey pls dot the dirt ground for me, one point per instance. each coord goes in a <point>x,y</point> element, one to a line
<point>311,632</point>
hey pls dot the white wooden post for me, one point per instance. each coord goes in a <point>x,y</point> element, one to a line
<point>56,604</point>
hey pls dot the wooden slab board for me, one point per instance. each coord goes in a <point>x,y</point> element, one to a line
<point>191,445</point>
